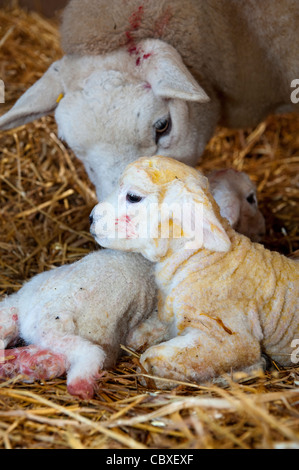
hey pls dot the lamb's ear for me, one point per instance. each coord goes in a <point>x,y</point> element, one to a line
<point>229,205</point>
<point>165,71</point>
<point>207,231</point>
<point>232,212</point>
<point>201,225</point>
<point>40,100</point>
<point>215,237</point>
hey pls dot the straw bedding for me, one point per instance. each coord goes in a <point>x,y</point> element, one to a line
<point>45,202</point>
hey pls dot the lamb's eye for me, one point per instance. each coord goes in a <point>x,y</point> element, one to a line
<point>133,198</point>
<point>251,198</point>
<point>162,127</point>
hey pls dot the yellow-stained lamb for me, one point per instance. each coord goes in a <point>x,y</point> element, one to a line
<point>223,299</point>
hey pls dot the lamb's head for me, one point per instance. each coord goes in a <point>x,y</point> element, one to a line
<point>160,206</point>
<point>236,196</point>
<point>113,109</point>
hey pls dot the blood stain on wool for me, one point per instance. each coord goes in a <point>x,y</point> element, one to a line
<point>162,22</point>
<point>136,18</point>
<point>135,23</point>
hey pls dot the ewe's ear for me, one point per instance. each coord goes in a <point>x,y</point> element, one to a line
<point>168,76</point>
<point>40,100</point>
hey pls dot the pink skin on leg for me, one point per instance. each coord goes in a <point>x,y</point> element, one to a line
<point>42,364</point>
<point>53,355</point>
<point>33,362</point>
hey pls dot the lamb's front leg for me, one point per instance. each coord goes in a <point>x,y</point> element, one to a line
<point>199,356</point>
<point>9,323</point>
<point>84,361</point>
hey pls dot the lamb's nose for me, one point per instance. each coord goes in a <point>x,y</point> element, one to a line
<point>91,219</point>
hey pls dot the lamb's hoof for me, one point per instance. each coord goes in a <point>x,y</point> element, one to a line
<point>82,388</point>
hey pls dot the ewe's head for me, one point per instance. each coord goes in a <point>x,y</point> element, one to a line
<point>161,206</point>
<point>112,109</point>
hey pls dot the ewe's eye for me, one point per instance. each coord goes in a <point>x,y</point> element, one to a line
<point>162,127</point>
<point>251,199</point>
<point>133,198</point>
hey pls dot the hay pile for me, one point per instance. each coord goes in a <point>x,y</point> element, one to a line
<point>45,202</point>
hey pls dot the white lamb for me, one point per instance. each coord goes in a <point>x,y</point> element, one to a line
<point>75,317</point>
<point>236,196</point>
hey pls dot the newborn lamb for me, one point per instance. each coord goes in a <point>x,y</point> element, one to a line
<point>236,196</point>
<point>223,299</point>
<point>76,316</point>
